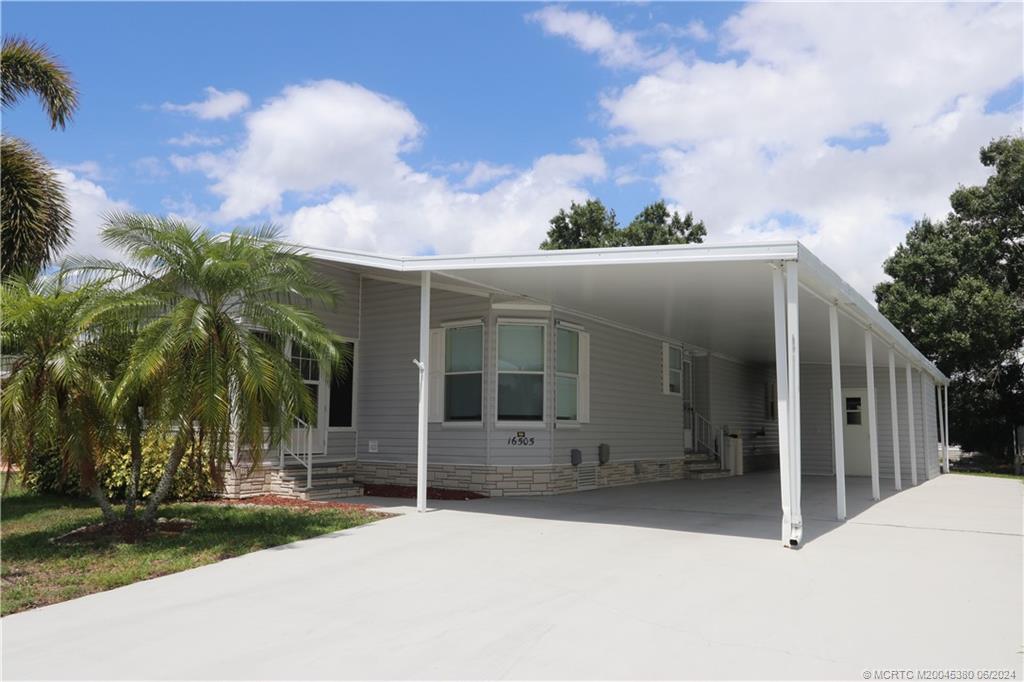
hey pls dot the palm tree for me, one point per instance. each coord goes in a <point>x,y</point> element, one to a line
<point>35,222</point>
<point>214,315</point>
<point>53,399</point>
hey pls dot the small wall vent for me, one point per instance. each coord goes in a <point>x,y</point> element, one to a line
<point>586,477</point>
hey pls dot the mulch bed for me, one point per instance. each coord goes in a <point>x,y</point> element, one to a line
<point>409,491</point>
<point>278,501</point>
<point>125,532</point>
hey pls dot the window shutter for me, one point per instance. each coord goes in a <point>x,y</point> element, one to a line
<point>583,415</point>
<point>435,385</point>
<point>666,362</point>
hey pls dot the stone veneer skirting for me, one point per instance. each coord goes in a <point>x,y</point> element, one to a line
<point>489,480</point>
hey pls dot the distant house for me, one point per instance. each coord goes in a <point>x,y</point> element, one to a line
<point>555,371</point>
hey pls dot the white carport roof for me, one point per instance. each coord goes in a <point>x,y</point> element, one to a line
<point>712,297</point>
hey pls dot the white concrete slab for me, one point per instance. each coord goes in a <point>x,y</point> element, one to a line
<point>661,581</point>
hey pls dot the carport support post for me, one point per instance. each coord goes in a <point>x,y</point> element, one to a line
<point>945,425</point>
<point>793,337</point>
<point>783,395</point>
<point>424,367</point>
<point>911,426</point>
<point>895,416</point>
<point>869,362</point>
<point>838,413</point>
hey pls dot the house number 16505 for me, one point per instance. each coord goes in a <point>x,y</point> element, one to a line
<point>520,439</point>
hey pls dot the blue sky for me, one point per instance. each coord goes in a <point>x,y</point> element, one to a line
<point>417,128</point>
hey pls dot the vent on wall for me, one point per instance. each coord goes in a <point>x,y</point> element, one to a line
<point>586,477</point>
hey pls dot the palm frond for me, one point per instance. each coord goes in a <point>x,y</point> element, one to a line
<point>29,67</point>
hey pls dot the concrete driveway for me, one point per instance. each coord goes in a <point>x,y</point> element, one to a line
<point>684,579</point>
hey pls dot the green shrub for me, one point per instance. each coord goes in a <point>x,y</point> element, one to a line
<point>193,481</point>
<point>47,475</point>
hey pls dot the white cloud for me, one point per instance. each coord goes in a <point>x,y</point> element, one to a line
<point>344,143</point>
<point>217,105</point>
<point>593,33</point>
<point>746,140</point>
<point>196,140</point>
<point>85,169</point>
<point>89,205</point>
<point>482,173</point>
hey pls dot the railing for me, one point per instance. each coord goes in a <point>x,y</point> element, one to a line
<point>301,434</point>
<point>704,436</point>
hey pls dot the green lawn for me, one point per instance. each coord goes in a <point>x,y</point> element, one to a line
<point>35,571</point>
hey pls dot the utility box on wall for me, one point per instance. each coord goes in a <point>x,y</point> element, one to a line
<point>734,454</point>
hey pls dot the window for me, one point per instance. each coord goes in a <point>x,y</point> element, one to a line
<point>520,372</point>
<point>567,375</point>
<point>771,401</point>
<point>463,373</point>
<point>308,367</point>
<point>342,382</point>
<point>853,411</point>
<point>672,377</point>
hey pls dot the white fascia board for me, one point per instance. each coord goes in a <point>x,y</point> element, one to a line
<point>826,283</point>
<point>687,253</point>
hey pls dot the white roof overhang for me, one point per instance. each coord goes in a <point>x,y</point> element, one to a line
<point>713,297</point>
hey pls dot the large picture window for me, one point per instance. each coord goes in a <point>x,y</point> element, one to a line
<point>567,375</point>
<point>520,372</point>
<point>342,383</point>
<point>463,373</point>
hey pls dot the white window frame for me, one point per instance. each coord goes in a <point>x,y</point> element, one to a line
<point>666,369</point>
<point>443,373</point>
<point>582,375</point>
<point>531,322</point>
<point>355,393</point>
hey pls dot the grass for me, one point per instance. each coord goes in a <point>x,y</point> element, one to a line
<point>35,571</point>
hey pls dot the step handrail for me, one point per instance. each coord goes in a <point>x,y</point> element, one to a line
<point>703,435</point>
<point>292,446</point>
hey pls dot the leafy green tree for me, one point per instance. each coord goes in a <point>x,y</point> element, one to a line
<point>590,226</point>
<point>584,226</point>
<point>956,293</point>
<point>655,225</point>
<point>53,399</point>
<point>35,222</point>
<point>186,338</point>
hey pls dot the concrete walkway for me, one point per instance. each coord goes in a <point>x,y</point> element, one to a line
<point>684,579</point>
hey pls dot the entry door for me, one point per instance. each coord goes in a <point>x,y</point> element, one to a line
<point>855,432</point>
<point>309,369</point>
<point>687,389</point>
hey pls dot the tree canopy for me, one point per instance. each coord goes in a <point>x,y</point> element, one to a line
<point>35,221</point>
<point>956,293</point>
<point>591,225</point>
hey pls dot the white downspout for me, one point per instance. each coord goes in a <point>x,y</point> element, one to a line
<point>424,369</point>
<point>894,412</point>
<point>869,362</point>
<point>910,421</point>
<point>838,413</point>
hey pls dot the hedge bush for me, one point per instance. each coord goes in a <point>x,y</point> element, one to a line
<point>193,481</point>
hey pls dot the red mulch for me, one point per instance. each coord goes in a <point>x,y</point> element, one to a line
<point>124,531</point>
<point>278,501</point>
<point>409,491</point>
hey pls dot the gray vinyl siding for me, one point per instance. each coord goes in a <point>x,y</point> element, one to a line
<point>932,427</point>
<point>816,421</point>
<point>701,392</point>
<point>343,319</point>
<point>737,401</point>
<point>387,403</point>
<point>628,409</point>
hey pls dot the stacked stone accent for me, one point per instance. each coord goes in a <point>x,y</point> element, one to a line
<point>495,481</point>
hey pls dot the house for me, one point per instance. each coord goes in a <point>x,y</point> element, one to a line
<point>546,372</point>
